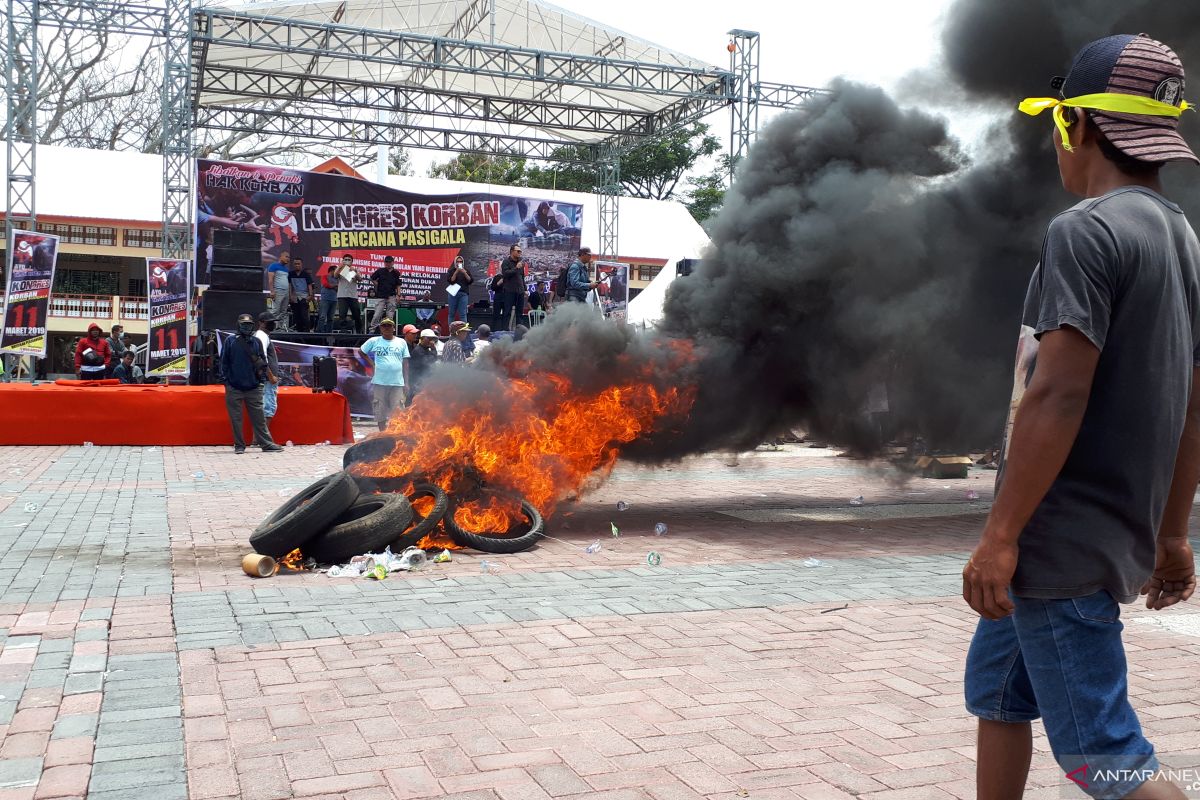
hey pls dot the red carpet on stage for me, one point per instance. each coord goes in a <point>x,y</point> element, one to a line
<point>158,415</point>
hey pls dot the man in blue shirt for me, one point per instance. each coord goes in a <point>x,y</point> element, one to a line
<point>280,285</point>
<point>244,370</point>
<point>388,385</point>
<point>327,303</point>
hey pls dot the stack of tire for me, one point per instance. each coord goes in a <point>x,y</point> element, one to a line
<point>341,516</point>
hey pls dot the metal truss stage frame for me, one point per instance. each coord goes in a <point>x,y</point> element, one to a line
<point>241,71</point>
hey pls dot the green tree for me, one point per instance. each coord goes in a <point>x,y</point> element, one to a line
<point>706,193</point>
<point>500,170</point>
<point>565,174</point>
<point>654,168</point>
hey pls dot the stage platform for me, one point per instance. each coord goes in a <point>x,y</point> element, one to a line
<point>51,414</point>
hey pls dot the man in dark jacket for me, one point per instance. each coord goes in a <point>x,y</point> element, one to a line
<point>511,297</point>
<point>579,280</point>
<point>244,370</point>
<point>424,356</point>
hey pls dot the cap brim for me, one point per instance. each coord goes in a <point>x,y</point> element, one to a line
<point>1154,140</point>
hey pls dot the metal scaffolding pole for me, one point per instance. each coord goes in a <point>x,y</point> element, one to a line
<point>609,190</point>
<point>21,83</point>
<point>743,63</point>
<point>177,131</point>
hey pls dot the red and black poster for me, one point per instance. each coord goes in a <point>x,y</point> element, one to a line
<point>167,279</point>
<point>321,217</point>
<point>32,257</point>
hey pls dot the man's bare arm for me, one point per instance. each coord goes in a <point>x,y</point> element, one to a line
<point>1174,577</point>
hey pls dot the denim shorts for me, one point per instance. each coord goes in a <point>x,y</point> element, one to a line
<point>1063,661</point>
<point>270,399</point>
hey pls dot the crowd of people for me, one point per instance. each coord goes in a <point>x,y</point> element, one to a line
<point>301,302</point>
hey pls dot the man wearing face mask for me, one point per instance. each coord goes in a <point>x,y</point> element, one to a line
<point>245,371</point>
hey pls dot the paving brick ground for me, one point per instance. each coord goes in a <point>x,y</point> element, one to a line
<point>136,660</point>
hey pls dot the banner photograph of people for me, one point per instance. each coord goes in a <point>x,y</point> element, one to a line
<point>27,293</point>
<point>320,217</point>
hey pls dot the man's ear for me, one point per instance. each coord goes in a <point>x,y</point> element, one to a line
<point>1079,131</point>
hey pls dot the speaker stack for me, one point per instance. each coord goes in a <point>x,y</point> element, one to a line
<point>235,279</point>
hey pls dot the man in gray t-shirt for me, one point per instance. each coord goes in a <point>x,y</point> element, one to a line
<point>1101,457</point>
<point>347,292</point>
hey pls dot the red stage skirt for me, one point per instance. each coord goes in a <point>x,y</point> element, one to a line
<point>73,413</point>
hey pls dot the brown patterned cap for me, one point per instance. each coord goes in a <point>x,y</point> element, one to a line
<point>1137,65</point>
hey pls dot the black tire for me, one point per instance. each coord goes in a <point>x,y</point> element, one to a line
<point>305,516</point>
<point>423,525</point>
<point>368,526</point>
<point>497,541</point>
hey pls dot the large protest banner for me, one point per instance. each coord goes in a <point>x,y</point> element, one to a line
<point>613,290</point>
<point>320,217</point>
<point>32,257</point>
<point>168,280</point>
<point>353,371</point>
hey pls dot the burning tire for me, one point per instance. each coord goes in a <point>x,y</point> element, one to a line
<point>376,448</point>
<point>305,515</point>
<point>424,525</point>
<point>498,541</point>
<point>369,525</point>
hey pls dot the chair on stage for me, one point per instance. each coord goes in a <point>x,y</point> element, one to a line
<point>536,317</point>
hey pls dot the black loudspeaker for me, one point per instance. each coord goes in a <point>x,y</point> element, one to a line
<point>684,266</point>
<point>221,308</point>
<point>324,374</point>
<point>238,240</point>
<point>238,279</point>
<point>237,257</point>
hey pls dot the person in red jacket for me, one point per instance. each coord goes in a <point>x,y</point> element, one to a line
<point>92,355</point>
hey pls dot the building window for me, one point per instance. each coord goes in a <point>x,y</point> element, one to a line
<point>142,237</point>
<point>87,282</point>
<point>137,287</point>
<point>75,234</point>
<point>107,236</point>
<point>646,272</point>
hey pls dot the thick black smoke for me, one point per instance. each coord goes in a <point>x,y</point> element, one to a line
<point>861,250</point>
<point>858,248</point>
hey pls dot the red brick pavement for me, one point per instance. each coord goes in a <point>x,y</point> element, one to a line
<point>210,529</point>
<point>761,703</point>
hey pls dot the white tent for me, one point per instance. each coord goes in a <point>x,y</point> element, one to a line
<point>524,24</point>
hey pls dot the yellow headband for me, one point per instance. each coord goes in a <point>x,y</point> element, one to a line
<point>1120,103</point>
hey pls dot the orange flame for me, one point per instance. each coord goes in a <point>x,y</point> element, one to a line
<point>495,515</point>
<point>542,438</point>
<point>293,561</point>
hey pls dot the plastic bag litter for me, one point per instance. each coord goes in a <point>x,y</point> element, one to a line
<point>622,505</point>
<point>616,532</point>
<point>442,557</point>
<point>31,507</point>
<point>653,559</point>
<point>857,501</point>
<point>660,529</point>
<point>812,562</point>
<point>972,495</point>
<point>593,548</point>
<point>411,559</point>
